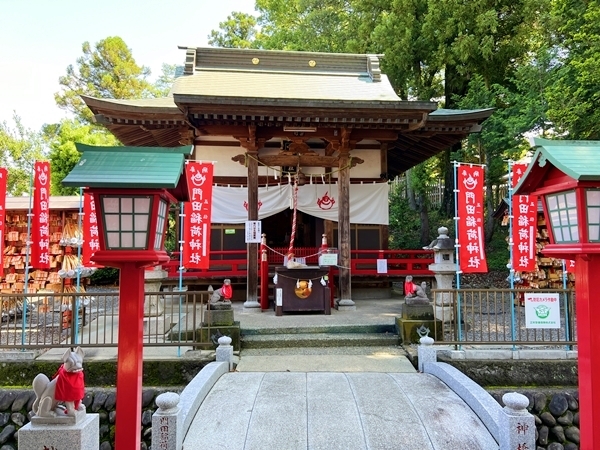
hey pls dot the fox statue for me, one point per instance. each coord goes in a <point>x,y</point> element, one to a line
<point>66,387</point>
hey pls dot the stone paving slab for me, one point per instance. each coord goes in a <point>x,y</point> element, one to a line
<point>377,362</point>
<point>315,410</point>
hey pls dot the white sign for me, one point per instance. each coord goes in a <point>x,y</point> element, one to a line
<point>328,259</point>
<point>382,266</point>
<point>253,232</point>
<point>279,297</point>
<point>542,310</point>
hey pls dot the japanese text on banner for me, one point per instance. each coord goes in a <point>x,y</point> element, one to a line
<point>470,219</point>
<point>3,179</point>
<point>40,229</point>
<point>524,232</point>
<point>91,239</point>
<point>196,245</point>
<point>518,170</point>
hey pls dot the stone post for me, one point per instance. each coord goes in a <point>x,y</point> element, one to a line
<point>153,304</point>
<point>444,269</point>
<point>426,352</point>
<point>516,426</point>
<point>225,351</point>
<point>167,432</point>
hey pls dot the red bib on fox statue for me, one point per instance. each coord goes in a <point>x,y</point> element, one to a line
<point>70,386</point>
<point>227,291</point>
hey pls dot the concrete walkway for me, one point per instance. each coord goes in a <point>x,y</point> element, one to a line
<point>335,410</point>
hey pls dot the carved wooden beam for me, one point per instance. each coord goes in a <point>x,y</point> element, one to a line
<point>302,160</point>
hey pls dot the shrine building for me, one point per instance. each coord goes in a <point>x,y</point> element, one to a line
<point>330,122</point>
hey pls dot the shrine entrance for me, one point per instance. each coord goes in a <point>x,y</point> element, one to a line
<point>278,229</point>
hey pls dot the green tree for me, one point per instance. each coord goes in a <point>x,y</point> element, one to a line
<point>19,149</point>
<point>238,31</point>
<point>63,155</point>
<point>163,84</point>
<point>574,96</point>
<point>107,70</point>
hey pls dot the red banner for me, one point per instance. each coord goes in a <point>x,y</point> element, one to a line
<point>471,254</point>
<point>3,180</point>
<point>518,170</point>
<point>524,232</point>
<point>196,245</point>
<point>40,222</point>
<point>91,240</point>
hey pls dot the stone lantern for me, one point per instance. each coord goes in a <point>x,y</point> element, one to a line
<point>444,269</point>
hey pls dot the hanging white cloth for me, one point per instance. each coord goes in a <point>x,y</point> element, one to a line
<point>368,202</point>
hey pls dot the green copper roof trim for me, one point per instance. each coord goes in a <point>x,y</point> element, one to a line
<point>128,167</point>
<point>578,159</point>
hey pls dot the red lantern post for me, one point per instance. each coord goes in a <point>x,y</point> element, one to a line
<point>567,176</point>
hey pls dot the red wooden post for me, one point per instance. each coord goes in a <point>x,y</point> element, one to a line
<point>130,357</point>
<point>264,274</point>
<point>588,349</point>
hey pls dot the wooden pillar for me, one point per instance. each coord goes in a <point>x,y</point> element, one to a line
<point>385,232</point>
<point>345,295</point>
<point>251,146</point>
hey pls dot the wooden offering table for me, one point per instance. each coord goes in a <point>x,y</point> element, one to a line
<point>302,290</point>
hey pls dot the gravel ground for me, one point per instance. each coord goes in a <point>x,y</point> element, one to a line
<point>44,326</point>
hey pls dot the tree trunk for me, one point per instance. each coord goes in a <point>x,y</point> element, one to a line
<point>424,216</point>
<point>455,84</point>
<point>410,192</point>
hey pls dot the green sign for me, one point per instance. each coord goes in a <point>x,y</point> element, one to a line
<point>230,231</point>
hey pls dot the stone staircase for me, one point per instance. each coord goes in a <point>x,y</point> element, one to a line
<point>320,337</point>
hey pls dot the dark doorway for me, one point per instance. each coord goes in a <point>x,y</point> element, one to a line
<point>278,229</point>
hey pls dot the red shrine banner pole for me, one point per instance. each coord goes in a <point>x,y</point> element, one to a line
<point>40,232</point>
<point>470,180</point>
<point>196,245</point>
<point>3,181</point>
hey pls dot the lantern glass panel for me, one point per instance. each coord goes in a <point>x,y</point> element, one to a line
<point>562,209</point>
<point>592,197</point>
<point>126,205</point>
<point>127,221</point>
<point>160,225</point>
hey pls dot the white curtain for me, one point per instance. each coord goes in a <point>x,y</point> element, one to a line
<point>368,202</point>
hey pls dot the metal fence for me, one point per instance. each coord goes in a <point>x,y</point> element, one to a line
<point>483,317</point>
<point>50,320</point>
<point>497,318</point>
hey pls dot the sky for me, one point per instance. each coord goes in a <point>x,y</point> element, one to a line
<point>40,38</point>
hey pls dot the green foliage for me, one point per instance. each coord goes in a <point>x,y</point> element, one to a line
<point>162,86</point>
<point>108,70</point>
<point>61,139</point>
<point>573,97</point>
<point>238,31</point>
<point>105,276</point>
<point>497,252</point>
<point>405,223</point>
<point>19,149</point>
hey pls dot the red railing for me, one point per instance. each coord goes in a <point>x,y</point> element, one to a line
<point>233,263</point>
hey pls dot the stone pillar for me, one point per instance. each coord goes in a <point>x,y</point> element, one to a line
<point>153,304</point>
<point>225,351</point>
<point>516,426</point>
<point>444,269</point>
<point>426,352</point>
<point>167,423</point>
<point>51,433</point>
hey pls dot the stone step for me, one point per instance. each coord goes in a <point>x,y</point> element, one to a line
<point>324,329</point>
<point>282,340</point>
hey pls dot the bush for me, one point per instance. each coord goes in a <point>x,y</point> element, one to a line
<point>105,276</point>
